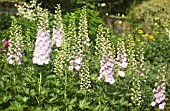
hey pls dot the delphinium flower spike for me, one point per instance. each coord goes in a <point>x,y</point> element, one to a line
<point>139,66</point>
<point>16,45</point>
<point>159,90</point>
<point>136,96</point>
<point>136,71</point>
<point>121,59</point>
<point>105,54</point>
<point>34,12</point>
<point>75,46</point>
<point>60,62</point>
<point>43,43</point>
<point>62,57</point>
<point>84,52</point>
<point>58,31</point>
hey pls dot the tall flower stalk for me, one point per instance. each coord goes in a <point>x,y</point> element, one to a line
<point>43,43</point>
<point>159,90</point>
<point>60,40</point>
<point>106,56</point>
<point>84,51</point>
<point>60,61</point>
<point>139,66</point>
<point>58,31</point>
<point>34,12</point>
<point>136,96</point>
<point>15,43</point>
<point>75,46</point>
<point>121,59</point>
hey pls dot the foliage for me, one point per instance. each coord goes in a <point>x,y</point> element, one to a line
<point>5,21</point>
<point>103,6</point>
<point>155,36</point>
<point>93,21</point>
<point>152,9</point>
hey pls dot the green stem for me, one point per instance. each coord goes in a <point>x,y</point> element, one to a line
<point>39,88</point>
<point>65,89</point>
<point>39,84</point>
<point>14,76</point>
<point>65,86</point>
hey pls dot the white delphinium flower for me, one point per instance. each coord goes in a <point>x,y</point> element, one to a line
<point>105,54</point>
<point>43,43</point>
<point>137,63</point>
<point>136,96</point>
<point>15,43</point>
<point>139,66</point>
<point>84,52</point>
<point>62,58</point>
<point>58,31</point>
<point>121,59</point>
<point>74,44</point>
<point>28,11</point>
<point>121,73</point>
<point>131,54</point>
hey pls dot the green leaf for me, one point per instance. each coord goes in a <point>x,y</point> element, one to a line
<point>4,99</point>
<point>14,105</point>
<point>32,92</point>
<point>52,108</point>
<point>22,99</point>
<point>84,104</point>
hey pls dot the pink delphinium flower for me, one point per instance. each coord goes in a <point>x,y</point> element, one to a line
<point>159,96</point>
<point>141,74</point>
<point>107,70</point>
<point>162,106</point>
<point>76,63</point>
<point>42,48</point>
<point>57,37</point>
<point>6,43</point>
<point>122,60</point>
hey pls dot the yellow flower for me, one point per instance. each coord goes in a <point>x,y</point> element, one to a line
<point>140,31</point>
<point>151,37</point>
<point>132,41</point>
<point>138,40</point>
